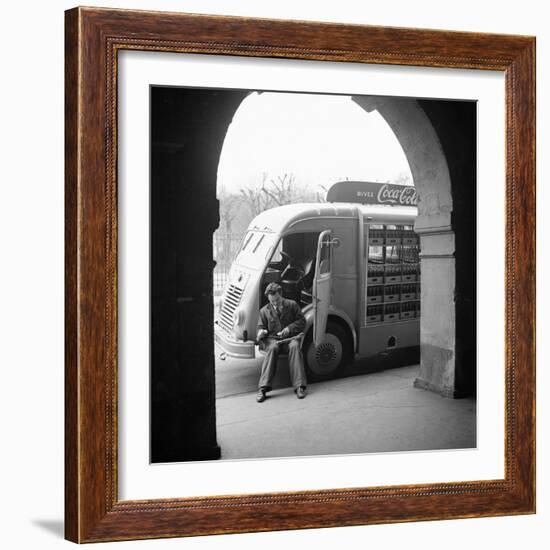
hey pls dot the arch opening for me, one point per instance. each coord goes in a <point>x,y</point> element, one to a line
<point>284,148</point>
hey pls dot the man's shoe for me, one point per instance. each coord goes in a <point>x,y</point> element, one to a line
<point>260,396</point>
<point>301,392</point>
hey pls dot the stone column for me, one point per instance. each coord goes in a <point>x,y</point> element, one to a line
<point>188,128</point>
<point>438,323</point>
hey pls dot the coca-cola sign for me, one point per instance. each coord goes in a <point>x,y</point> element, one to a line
<point>366,192</point>
<point>397,194</point>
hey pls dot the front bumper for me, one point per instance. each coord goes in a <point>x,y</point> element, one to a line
<point>242,349</point>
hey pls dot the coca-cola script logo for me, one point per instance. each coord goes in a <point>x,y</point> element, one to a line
<point>405,196</point>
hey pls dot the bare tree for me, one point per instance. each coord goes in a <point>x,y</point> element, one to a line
<point>229,209</point>
<point>273,191</point>
<point>255,197</point>
<point>281,189</point>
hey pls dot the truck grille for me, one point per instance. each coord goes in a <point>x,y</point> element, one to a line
<point>230,303</point>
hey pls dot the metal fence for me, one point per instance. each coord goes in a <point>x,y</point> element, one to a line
<point>226,246</point>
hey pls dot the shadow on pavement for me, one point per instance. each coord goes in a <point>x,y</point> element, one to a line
<point>384,361</point>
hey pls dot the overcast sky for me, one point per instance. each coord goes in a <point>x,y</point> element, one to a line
<point>319,138</point>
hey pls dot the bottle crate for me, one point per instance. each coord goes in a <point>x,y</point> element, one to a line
<point>375,314</point>
<point>376,237</point>
<point>408,292</point>
<point>391,313</point>
<point>393,236</point>
<point>392,293</point>
<point>375,294</point>
<point>408,310</point>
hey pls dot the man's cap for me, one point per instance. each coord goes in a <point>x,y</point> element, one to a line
<point>273,288</point>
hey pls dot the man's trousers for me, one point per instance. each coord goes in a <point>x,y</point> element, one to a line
<point>295,363</point>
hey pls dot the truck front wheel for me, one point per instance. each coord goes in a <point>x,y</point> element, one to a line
<point>328,359</point>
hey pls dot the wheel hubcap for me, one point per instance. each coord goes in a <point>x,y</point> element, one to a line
<point>325,354</point>
<point>325,358</point>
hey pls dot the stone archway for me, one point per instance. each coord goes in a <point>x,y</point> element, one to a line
<point>438,139</point>
<point>187,134</point>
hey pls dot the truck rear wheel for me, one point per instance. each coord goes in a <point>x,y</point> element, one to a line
<point>328,359</point>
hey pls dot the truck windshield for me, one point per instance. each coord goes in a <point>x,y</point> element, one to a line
<point>256,245</point>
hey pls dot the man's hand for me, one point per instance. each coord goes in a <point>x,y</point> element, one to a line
<point>284,333</point>
<point>262,333</point>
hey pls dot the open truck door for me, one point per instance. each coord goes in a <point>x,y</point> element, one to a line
<point>322,286</point>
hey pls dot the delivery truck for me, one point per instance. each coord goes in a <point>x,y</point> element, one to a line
<point>351,263</point>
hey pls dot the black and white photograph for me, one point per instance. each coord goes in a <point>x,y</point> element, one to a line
<point>339,291</point>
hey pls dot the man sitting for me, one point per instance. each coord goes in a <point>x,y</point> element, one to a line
<point>280,319</point>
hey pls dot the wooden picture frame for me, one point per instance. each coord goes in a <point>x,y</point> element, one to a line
<point>93,39</point>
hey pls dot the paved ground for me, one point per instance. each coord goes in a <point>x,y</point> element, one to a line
<point>364,412</point>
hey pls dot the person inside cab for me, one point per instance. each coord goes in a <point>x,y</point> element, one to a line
<point>280,330</point>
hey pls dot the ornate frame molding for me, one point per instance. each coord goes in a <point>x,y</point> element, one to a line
<point>93,39</point>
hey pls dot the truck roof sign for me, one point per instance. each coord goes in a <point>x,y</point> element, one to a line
<point>366,192</point>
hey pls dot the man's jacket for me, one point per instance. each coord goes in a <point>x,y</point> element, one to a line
<point>290,317</point>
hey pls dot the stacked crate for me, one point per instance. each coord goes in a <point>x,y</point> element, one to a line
<point>393,274</point>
